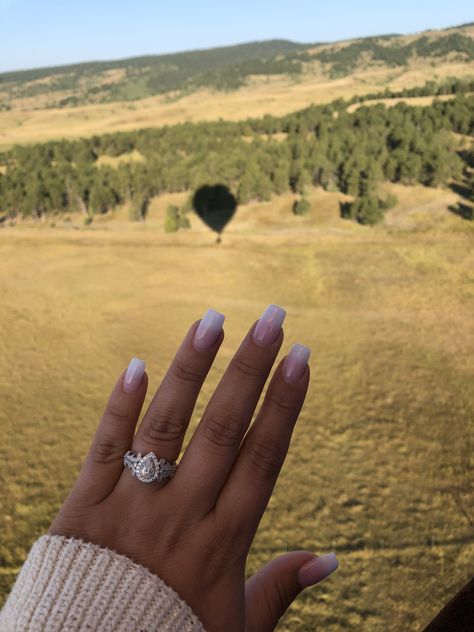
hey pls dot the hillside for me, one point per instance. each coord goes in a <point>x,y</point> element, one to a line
<point>320,146</point>
<point>233,83</point>
<point>227,68</point>
<point>140,77</point>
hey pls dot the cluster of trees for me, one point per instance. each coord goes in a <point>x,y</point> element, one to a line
<point>223,68</point>
<point>430,89</point>
<point>175,219</point>
<point>367,209</point>
<point>320,146</point>
<point>466,189</point>
<point>232,78</point>
<point>301,206</point>
<point>345,59</point>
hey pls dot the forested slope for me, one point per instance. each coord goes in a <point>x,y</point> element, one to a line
<point>228,68</point>
<point>322,145</point>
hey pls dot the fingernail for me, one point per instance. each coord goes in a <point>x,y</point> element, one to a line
<point>134,375</point>
<point>317,569</point>
<point>295,363</point>
<point>269,325</point>
<point>208,330</point>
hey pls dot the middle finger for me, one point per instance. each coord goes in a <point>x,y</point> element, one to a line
<point>216,441</point>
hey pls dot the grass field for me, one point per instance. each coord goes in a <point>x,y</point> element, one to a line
<point>380,468</point>
<point>278,95</point>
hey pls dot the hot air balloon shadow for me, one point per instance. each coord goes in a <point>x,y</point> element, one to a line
<point>216,206</point>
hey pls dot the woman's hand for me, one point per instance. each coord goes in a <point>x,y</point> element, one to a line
<point>195,529</point>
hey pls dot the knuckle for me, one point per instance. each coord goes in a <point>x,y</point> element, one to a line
<point>107,450</point>
<point>229,548</point>
<point>224,430</point>
<point>283,406</point>
<point>184,372</point>
<point>117,412</point>
<point>163,426</point>
<point>248,369</point>
<point>266,456</point>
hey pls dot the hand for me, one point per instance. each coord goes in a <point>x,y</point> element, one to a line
<point>195,529</point>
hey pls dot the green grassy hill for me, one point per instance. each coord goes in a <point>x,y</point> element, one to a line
<point>227,68</point>
<point>140,77</point>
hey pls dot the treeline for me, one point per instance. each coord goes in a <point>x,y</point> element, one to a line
<point>222,68</point>
<point>226,68</point>
<point>345,59</point>
<point>320,146</point>
<point>193,61</point>
<point>233,78</point>
<point>430,89</point>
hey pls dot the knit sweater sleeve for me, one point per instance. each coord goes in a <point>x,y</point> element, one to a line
<point>68,584</point>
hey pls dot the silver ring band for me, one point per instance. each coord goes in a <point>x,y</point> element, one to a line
<point>149,468</point>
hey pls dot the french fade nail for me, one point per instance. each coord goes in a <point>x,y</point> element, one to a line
<point>269,325</point>
<point>134,375</point>
<point>295,363</point>
<point>208,330</point>
<point>317,569</point>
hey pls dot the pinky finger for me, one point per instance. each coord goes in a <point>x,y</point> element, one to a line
<point>114,435</point>
<point>272,590</point>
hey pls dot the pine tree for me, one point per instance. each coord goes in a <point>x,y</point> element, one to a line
<point>367,210</point>
<point>172,220</point>
<point>281,179</point>
<point>301,206</point>
<point>246,190</point>
<point>101,198</point>
<point>263,187</point>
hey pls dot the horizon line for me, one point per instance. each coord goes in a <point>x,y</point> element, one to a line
<point>232,45</point>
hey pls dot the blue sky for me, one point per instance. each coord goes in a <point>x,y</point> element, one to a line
<point>36,33</point>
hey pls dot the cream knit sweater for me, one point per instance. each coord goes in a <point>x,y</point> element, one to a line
<point>70,585</point>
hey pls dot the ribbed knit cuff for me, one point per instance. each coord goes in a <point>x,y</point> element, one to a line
<point>69,584</point>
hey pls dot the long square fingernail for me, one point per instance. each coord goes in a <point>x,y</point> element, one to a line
<point>295,363</point>
<point>208,330</point>
<point>269,325</point>
<point>134,375</point>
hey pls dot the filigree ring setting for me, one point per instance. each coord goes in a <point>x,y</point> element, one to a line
<point>149,468</point>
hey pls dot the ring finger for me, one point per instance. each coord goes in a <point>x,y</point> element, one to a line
<point>164,425</point>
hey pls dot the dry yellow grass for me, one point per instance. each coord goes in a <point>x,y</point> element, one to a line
<point>275,96</point>
<point>115,161</point>
<point>387,425</point>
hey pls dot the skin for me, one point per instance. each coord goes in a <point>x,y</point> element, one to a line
<point>195,529</point>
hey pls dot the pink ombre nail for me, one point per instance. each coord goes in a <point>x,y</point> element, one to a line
<point>317,569</point>
<point>208,330</point>
<point>269,325</point>
<point>295,363</point>
<point>134,375</point>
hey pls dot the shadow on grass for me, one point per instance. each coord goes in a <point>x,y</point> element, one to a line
<point>465,211</point>
<point>461,189</point>
<point>216,206</point>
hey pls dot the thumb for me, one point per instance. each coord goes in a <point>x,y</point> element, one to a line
<point>270,592</point>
